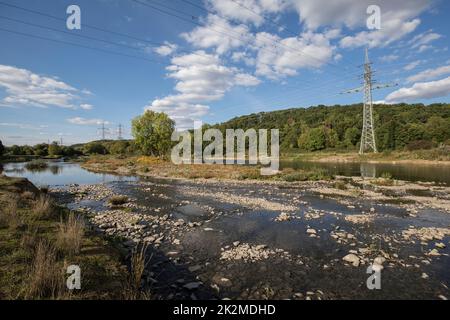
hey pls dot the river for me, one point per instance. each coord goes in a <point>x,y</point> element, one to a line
<point>228,239</point>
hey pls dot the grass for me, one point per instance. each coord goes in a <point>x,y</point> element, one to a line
<point>43,207</point>
<point>70,235</point>
<point>118,200</point>
<point>35,253</point>
<point>137,266</point>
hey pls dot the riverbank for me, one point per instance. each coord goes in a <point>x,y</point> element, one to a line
<point>39,240</point>
<point>438,156</point>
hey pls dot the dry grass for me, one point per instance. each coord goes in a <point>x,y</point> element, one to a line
<point>45,279</point>
<point>70,235</point>
<point>137,267</point>
<point>9,216</point>
<point>43,207</point>
<point>118,200</point>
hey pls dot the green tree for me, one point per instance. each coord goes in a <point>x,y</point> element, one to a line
<point>95,148</point>
<point>54,149</point>
<point>41,150</point>
<point>438,128</point>
<point>119,147</point>
<point>152,133</point>
<point>312,140</point>
<point>352,136</point>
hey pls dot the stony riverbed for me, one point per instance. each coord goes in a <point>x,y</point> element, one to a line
<point>251,240</point>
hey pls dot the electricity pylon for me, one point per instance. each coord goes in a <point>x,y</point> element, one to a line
<point>119,132</point>
<point>368,141</point>
<point>103,130</point>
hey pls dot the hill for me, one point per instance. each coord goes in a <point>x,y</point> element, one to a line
<point>397,127</point>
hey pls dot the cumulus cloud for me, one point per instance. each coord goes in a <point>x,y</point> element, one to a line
<point>429,74</point>
<point>167,49</point>
<point>25,88</point>
<point>200,78</point>
<point>309,50</point>
<point>421,90</point>
<point>220,34</point>
<point>86,122</point>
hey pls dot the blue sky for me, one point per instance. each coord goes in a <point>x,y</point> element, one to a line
<point>206,60</point>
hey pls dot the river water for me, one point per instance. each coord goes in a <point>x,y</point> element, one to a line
<point>407,172</point>
<point>227,216</point>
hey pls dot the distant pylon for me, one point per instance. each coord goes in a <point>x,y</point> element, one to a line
<point>103,130</point>
<point>368,134</point>
<point>368,141</point>
<point>119,132</point>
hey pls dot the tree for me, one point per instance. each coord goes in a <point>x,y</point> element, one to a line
<point>2,148</point>
<point>41,150</point>
<point>152,133</point>
<point>352,136</point>
<point>95,148</point>
<point>438,128</point>
<point>119,147</point>
<point>54,149</point>
<point>313,140</point>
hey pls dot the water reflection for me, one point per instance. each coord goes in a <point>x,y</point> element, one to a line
<point>368,170</point>
<point>60,173</point>
<point>408,172</point>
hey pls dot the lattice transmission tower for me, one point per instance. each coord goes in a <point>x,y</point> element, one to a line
<point>368,141</point>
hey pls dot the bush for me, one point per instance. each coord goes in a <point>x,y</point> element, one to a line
<point>37,165</point>
<point>95,148</point>
<point>419,145</point>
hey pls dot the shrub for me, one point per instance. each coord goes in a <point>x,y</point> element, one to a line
<point>340,185</point>
<point>419,145</point>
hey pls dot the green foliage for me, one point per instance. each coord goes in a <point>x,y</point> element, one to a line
<point>95,148</point>
<point>54,149</point>
<point>119,147</point>
<point>2,148</point>
<point>312,140</point>
<point>152,133</point>
<point>322,127</point>
<point>41,150</point>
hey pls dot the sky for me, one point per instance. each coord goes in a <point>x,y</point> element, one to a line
<point>208,60</point>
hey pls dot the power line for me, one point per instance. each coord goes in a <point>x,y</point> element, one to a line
<point>76,45</point>
<point>270,39</point>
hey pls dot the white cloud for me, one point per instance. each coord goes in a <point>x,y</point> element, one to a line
<point>86,106</point>
<point>421,90</point>
<point>429,74</point>
<point>412,65</point>
<point>424,38</point>
<point>389,58</point>
<point>86,122</point>
<point>24,126</point>
<point>167,49</point>
<point>219,33</point>
<point>309,50</point>
<point>247,11</point>
<point>25,88</point>
<point>200,78</point>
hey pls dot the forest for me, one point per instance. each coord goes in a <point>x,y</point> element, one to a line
<point>397,127</point>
